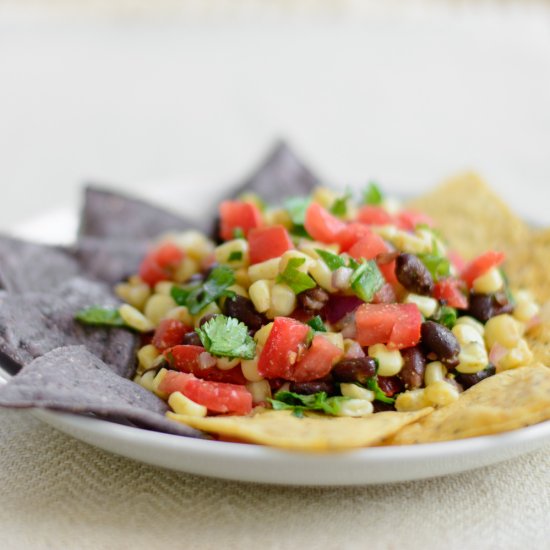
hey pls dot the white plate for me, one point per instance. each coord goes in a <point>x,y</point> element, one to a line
<point>266,465</point>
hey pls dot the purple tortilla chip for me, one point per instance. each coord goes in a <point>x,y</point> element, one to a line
<point>32,267</point>
<point>110,260</point>
<point>33,324</point>
<point>72,379</point>
<point>112,215</point>
<point>280,176</point>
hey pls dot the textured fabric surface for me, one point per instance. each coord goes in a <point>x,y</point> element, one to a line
<point>59,493</point>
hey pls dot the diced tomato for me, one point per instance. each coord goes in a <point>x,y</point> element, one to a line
<point>219,397</point>
<point>388,270</point>
<point>368,247</point>
<point>409,219</point>
<point>457,260</point>
<point>158,263</point>
<point>322,225</point>
<point>169,333</point>
<point>390,385</point>
<point>317,361</point>
<point>268,242</point>
<point>397,325</point>
<point>449,291</point>
<point>186,358</point>
<point>374,215</point>
<point>351,234</point>
<point>480,265</point>
<point>238,215</point>
<point>282,348</point>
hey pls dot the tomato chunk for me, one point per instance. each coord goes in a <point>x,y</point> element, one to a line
<point>186,358</point>
<point>368,247</point>
<point>238,215</point>
<point>351,234</point>
<point>317,361</point>
<point>321,224</point>
<point>448,291</point>
<point>409,219</point>
<point>397,325</point>
<point>268,242</point>
<point>174,381</point>
<point>169,333</point>
<point>480,265</point>
<point>159,263</point>
<point>374,215</point>
<point>282,348</point>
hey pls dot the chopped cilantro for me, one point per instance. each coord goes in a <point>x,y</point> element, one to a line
<point>181,293</point>
<point>340,206</point>
<point>101,316</point>
<point>333,261</point>
<point>366,280</point>
<point>446,316</point>
<point>372,194</point>
<point>235,256</point>
<point>379,395</point>
<point>317,324</point>
<point>295,279</point>
<point>298,404</point>
<point>438,266</point>
<point>238,233</point>
<point>296,208</point>
<point>227,337</point>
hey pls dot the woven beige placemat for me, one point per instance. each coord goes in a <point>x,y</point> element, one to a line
<point>57,492</point>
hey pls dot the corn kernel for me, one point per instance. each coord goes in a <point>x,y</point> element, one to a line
<point>435,371</point>
<point>250,369</point>
<point>427,306</point>
<point>470,321</point>
<point>210,309</point>
<point>261,391</point>
<point>441,393</point>
<point>283,301</point>
<point>390,361</point>
<point>335,338</point>
<point>502,329</point>
<point>146,356</point>
<point>356,392</point>
<point>236,247</point>
<point>164,287</point>
<point>146,380</point>
<point>278,216</point>
<point>355,408</point>
<point>526,307</point>
<point>391,205</point>
<point>181,313</point>
<point>186,269</point>
<point>264,270</point>
<point>157,306</point>
<point>242,278</point>
<point>226,363</point>
<point>518,356</point>
<point>411,400</point>
<point>156,383</point>
<point>135,294</point>
<point>195,243</point>
<point>322,275</point>
<point>260,294</point>
<point>135,319</point>
<point>489,282</point>
<point>415,243</point>
<point>183,405</point>
<point>262,335</point>
<point>324,196</point>
<point>239,290</point>
<point>310,248</point>
<point>290,254</point>
<point>473,354</point>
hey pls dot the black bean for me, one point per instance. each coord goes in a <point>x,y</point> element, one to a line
<point>380,406</point>
<point>313,386</point>
<point>469,380</point>
<point>206,318</point>
<point>413,274</point>
<point>314,299</point>
<point>354,370</point>
<point>440,341</point>
<point>192,339</point>
<point>414,365</point>
<point>243,309</point>
<point>485,306</point>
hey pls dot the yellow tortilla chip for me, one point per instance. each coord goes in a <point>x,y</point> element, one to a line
<point>506,401</point>
<point>538,339</point>
<point>471,216</point>
<point>311,433</point>
<point>527,265</point>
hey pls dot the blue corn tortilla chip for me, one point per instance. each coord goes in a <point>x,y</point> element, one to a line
<point>33,267</point>
<point>33,324</point>
<point>109,260</point>
<point>72,379</point>
<point>112,215</point>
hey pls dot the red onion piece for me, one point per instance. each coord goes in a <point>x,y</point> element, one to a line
<point>339,306</point>
<point>206,360</point>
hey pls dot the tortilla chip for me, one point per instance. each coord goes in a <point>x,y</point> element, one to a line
<point>316,433</point>
<point>108,214</point>
<point>32,267</point>
<point>33,324</point>
<point>472,217</point>
<point>109,260</point>
<point>279,176</point>
<point>74,380</point>
<point>538,338</point>
<point>527,265</point>
<point>507,401</point>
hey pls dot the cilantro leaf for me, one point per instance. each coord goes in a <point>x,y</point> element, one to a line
<point>372,194</point>
<point>235,256</point>
<point>317,324</point>
<point>333,261</point>
<point>101,316</point>
<point>297,280</point>
<point>340,206</point>
<point>438,266</point>
<point>446,316</point>
<point>296,208</point>
<point>196,297</point>
<point>238,233</point>
<point>379,395</point>
<point>298,404</point>
<point>227,337</point>
<point>367,280</point>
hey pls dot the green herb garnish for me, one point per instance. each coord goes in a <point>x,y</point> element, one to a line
<point>297,280</point>
<point>372,194</point>
<point>298,404</point>
<point>317,324</point>
<point>379,395</point>
<point>238,233</point>
<point>438,266</point>
<point>296,208</point>
<point>367,280</point>
<point>227,337</point>
<point>340,206</point>
<point>235,256</point>
<point>101,316</point>
<point>446,315</point>
<point>333,261</point>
